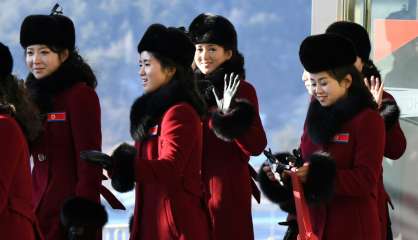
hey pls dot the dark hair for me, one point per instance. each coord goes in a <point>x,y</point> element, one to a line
<point>357,85</point>
<point>185,78</point>
<point>369,70</point>
<point>15,100</point>
<point>76,60</point>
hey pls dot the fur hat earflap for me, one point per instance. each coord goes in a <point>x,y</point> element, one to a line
<point>123,175</point>
<point>234,123</point>
<point>320,181</point>
<point>84,214</point>
<point>390,112</point>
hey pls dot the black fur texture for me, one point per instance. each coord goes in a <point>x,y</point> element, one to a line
<point>390,112</point>
<point>42,91</point>
<point>320,181</point>
<point>81,212</point>
<point>234,123</point>
<point>123,175</point>
<point>324,122</point>
<point>147,110</point>
<point>273,191</point>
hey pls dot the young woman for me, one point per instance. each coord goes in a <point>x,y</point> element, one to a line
<point>395,144</point>
<point>232,131</point>
<point>62,86</point>
<point>342,121</point>
<point>18,123</point>
<point>165,163</point>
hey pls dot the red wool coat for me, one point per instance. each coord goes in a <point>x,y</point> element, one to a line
<point>17,219</point>
<point>168,179</point>
<point>353,212</point>
<point>395,146</point>
<point>226,174</point>
<point>58,172</point>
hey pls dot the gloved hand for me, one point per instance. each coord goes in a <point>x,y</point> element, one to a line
<point>97,158</point>
<point>230,89</point>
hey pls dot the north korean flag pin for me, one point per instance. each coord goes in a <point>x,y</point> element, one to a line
<point>57,117</point>
<point>342,138</point>
<point>153,131</point>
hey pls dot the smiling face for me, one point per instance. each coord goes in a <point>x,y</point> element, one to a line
<point>208,57</point>
<point>327,90</point>
<point>42,61</point>
<point>153,75</point>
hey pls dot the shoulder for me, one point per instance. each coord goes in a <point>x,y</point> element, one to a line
<point>388,96</point>
<point>8,125</point>
<point>182,111</point>
<point>368,117</point>
<point>81,89</point>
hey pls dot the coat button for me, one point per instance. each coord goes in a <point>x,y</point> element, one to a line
<point>41,157</point>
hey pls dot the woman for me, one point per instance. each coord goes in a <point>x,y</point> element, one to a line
<point>18,123</point>
<point>165,163</point>
<point>62,86</point>
<point>342,121</point>
<point>395,139</point>
<point>232,131</point>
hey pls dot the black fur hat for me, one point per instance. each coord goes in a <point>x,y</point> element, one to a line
<point>325,52</point>
<point>169,42</point>
<point>210,28</point>
<point>51,30</point>
<point>6,61</point>
<point>355,33</point>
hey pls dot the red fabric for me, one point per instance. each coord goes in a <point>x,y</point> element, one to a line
<point>58,171</point>
<point>302,210</point>
<point>226,174</point>
<point>353,212</point>
<point>17,219</point>
<point>395,146</point>
<point>168,180</point>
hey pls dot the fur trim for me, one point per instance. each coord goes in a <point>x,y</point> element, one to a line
<point>390,112</point>
<point>42,92</point>
<point>234,123</point>
<point>147,110</point>
<point>123,175</point>
<point>320,180</point>
<point>81,212</point>
<point>324,122</point>
<point>273,191</point>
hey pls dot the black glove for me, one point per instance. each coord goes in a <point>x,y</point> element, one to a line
<point>97,158</point>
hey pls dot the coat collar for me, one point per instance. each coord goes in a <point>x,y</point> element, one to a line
<point>43,90</point>
<point>147,109</point>
<point>324,122</point>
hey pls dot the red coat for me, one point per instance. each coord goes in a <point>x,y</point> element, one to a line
<point>168,179</point>
<point>395,146</point>
<point>226,174</point>
<point>353,212</point>
<point>58,172</point>
<point>17,219</point>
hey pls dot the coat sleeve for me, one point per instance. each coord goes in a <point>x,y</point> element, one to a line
<point>243,124</point>
<point>84,109</point>
<point>9,149</point>
<point>361,179</point>
<point>181,133</point>
<point>395,139</point>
